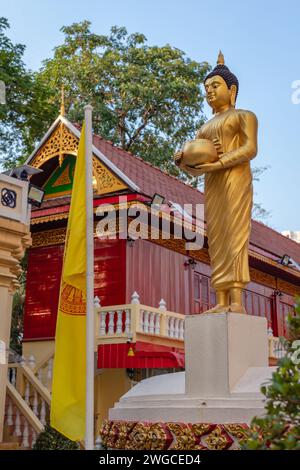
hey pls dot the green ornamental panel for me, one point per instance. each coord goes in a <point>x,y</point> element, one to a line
<point>61,180</point>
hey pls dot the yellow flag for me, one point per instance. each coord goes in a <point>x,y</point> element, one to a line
<point>69,373</point>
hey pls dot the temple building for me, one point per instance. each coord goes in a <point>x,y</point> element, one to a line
<point>138,282</point>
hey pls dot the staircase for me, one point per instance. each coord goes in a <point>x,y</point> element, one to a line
<point>27,406</point>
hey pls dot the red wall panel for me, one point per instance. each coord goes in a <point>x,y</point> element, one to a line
<point>42,290</point>
<point>110,270</point>
<point>156,272</point>
<point>43,282</point>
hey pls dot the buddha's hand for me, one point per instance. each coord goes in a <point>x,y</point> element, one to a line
<point>198,170</point>
<point>218,146</point>
<point>178,157</point>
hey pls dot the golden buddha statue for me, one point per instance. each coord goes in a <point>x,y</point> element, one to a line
<point>228,185</point>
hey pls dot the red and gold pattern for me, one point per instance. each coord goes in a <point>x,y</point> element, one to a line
<point>130,435</point>
<point>72,301</point>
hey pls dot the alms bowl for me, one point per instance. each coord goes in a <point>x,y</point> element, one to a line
<point>198,152</point>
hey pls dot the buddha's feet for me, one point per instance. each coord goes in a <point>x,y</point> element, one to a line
<point>218,309</point>
<point>237,308</point>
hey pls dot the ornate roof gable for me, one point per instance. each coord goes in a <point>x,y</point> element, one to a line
<point>61,143</point>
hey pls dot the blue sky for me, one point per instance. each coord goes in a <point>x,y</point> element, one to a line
<point>260,41</point>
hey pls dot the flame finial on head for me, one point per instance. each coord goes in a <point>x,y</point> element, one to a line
<point>220,60</point>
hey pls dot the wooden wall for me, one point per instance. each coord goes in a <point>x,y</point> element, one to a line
<point>43,283</point>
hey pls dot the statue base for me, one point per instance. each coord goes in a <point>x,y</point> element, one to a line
<point>226,364</point>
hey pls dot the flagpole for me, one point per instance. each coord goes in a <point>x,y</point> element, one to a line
<point>89,420</point>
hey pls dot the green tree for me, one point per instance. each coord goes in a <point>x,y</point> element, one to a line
<point>146,99</point>
<point>279,429</point>
<point>21,94</point>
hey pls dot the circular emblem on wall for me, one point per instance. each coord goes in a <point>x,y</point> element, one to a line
<point>8,198</point>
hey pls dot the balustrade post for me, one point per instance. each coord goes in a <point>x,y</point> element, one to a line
<point>171,327</point>
<point>151,323</point>
<point>135,315</point>
<point>27,392</point>
<point>146,321</point>
<point>119,322</point>
<point>33,438</point>
<point>25,441</point>
<point>43,412</point>
<point>135,298</point>
<point>102,323</point>
<point>127,321</point>
<point>17,430</point>
<point>111,324</point>
<point>31,362</point>
<point>157,325</point>
<point>176,328</point>
<point>49,372</point>
<point>35,403</point>
<point>164,324</point>
<point>181,329</point>
<point>10,413</point>
<point>97,306</point>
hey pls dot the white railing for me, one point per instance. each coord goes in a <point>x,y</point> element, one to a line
<point>127,321</point>
<point>27,403</point>
<point>21,422</point>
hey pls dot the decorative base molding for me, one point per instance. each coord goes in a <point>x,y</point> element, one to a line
<point>142,435</point>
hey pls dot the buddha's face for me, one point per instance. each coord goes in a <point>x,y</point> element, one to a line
<point>218,95</point>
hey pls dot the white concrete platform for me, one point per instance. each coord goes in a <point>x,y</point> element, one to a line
<point>162,398</point>
<point>226,364</point>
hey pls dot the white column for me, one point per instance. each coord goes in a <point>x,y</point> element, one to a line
<point>89,424</point>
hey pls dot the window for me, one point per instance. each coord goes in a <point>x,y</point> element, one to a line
<point>204,295</point>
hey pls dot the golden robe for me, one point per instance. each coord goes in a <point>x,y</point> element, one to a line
<point>229,195</point>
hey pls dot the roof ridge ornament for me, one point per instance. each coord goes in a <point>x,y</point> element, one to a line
<point>62,101</point>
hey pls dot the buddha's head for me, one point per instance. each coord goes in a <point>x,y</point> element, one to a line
<point>221,86</point>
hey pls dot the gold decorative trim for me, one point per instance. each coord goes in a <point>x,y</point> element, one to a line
<point>286,287</point>
<point>60,194</point>
<point>141,435</point>
<point>49,218</point>
<point>49,237</point>
<point>106,181</point>
<point>262,278</point>
<point>276,264</point>
<point>63,142</point>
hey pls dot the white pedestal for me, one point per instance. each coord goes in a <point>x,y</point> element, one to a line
<point>219,348</point>
<point>226,364</point>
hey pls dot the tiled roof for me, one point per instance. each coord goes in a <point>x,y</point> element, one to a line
<point>150,179</point>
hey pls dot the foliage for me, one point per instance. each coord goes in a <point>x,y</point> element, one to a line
<point>50,439</point>
<point>146,99</point>
<point>22,99</point>
<point>258,211</point>
<point>16,334</point>
<point>279,429</point>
